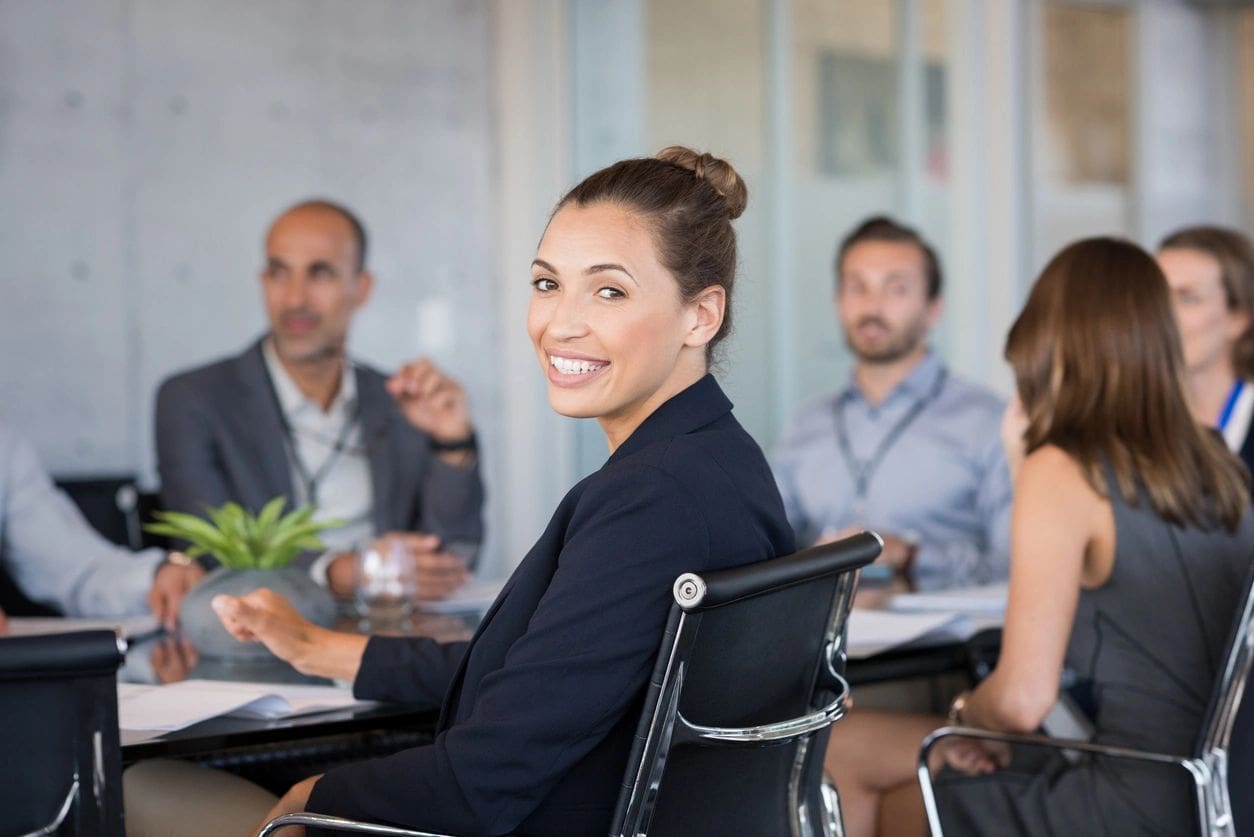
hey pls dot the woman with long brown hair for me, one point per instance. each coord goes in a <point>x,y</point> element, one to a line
<point>1130,541</point>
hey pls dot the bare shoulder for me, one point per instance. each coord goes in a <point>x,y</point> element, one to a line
<point>1049,470</point>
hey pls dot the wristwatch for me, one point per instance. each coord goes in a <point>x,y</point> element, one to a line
<point>471,443</point>
<point>174,557</point>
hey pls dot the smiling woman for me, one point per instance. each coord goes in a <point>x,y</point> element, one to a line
<point>614,334</point>
<point>633,283</point>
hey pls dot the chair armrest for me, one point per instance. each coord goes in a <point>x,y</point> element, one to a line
<point>1044,741</point>
<point>1196,769</point>
<point>340,824</point>
<point>774,732</point>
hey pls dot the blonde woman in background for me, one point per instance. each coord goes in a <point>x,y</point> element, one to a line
<point>1211,274</point>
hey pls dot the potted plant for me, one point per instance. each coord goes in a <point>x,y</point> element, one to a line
<point>254,551</point>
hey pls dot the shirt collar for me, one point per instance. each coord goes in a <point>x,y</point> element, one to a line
<point>689,410</point>
<point>921,380</point>
<point>291,399</point>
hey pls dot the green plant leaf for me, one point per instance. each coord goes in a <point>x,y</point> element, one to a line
<point>270,512</point>
<point>240,540</point>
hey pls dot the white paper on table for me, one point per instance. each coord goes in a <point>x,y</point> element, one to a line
<point>984,600</point>
<point>131,627</point>
<point>872,631</point>
<point>178,705</point>
<point>475,595</point>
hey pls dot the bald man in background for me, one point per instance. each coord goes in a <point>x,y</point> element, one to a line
<point>395,457</point>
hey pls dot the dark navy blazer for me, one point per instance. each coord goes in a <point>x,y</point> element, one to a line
<point>540,707</point>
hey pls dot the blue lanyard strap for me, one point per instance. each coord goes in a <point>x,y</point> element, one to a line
<point>1226,415</point>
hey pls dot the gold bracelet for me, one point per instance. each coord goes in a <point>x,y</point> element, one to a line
<point>959,704</point>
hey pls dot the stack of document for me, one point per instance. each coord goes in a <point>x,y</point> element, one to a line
<point>912,620</point>
<point>874,631</point>
<point>178,705</point>
<point>988,600</point>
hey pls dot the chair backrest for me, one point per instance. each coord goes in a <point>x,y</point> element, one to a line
<point>1229,689</point>
<point>111,505</point>
<point>59,734</point>
<point>1226,740</point>
<point>747,682</point>
<point>16,603</point>
<point>1241,767</point>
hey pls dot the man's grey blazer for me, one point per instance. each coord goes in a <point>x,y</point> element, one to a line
<point>220,437</point>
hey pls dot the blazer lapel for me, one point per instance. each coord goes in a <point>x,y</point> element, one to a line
<point>377,435</point>
<point>258,410</point>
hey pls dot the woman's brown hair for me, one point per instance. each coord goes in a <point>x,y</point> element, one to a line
<point>688,199</point>
<point>1097,362</point>
<point>1235,255</point>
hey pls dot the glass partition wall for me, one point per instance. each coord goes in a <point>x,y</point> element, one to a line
<point>1001,130</point>
<point>832,110</point>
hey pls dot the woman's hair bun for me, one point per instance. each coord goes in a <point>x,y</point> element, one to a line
<point>718,173</point>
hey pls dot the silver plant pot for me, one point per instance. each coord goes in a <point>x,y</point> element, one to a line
<point>203,628</point>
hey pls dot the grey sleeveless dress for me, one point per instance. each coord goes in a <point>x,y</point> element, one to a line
<point>1150,642</point>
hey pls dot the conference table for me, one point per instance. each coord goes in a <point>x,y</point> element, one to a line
<point>280,751</point>
<point>276,753</point>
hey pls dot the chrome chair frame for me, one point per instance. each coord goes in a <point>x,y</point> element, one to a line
<point>83,665</point>
<point>340,824</point>
<point>1208,767</point>
<point>667,727</point>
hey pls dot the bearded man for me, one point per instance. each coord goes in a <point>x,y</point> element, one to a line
<point>906,449</point>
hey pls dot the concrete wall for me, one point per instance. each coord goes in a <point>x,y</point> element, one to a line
<point>146,144</point>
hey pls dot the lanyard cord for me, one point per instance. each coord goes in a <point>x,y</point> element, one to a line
<point>309,481</point>
<point>862,470</point>
<point>1230,405</point>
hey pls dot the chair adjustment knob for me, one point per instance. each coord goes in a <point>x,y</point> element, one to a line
<point>689,590</point>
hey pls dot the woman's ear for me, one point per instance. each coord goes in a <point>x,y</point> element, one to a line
<point>707,309</point>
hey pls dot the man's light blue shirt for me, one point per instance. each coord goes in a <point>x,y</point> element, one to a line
<point>51,551</point>
<point>942,483</point>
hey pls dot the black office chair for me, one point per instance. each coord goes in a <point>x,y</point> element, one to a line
<point>747,683</point>
<point>1208,766</point>
<point>62,766</point>
<point>114,506</point>
<point>111,505</point>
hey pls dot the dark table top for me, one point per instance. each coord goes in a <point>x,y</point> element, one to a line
<point>165,659</point>
<point>170,658</point>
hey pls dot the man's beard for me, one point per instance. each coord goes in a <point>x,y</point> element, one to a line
<point>899,344</point>
<point>287,349</point>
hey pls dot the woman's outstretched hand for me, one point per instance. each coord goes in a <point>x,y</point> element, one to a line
<point>266,617</point>
<point>972,756</point>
